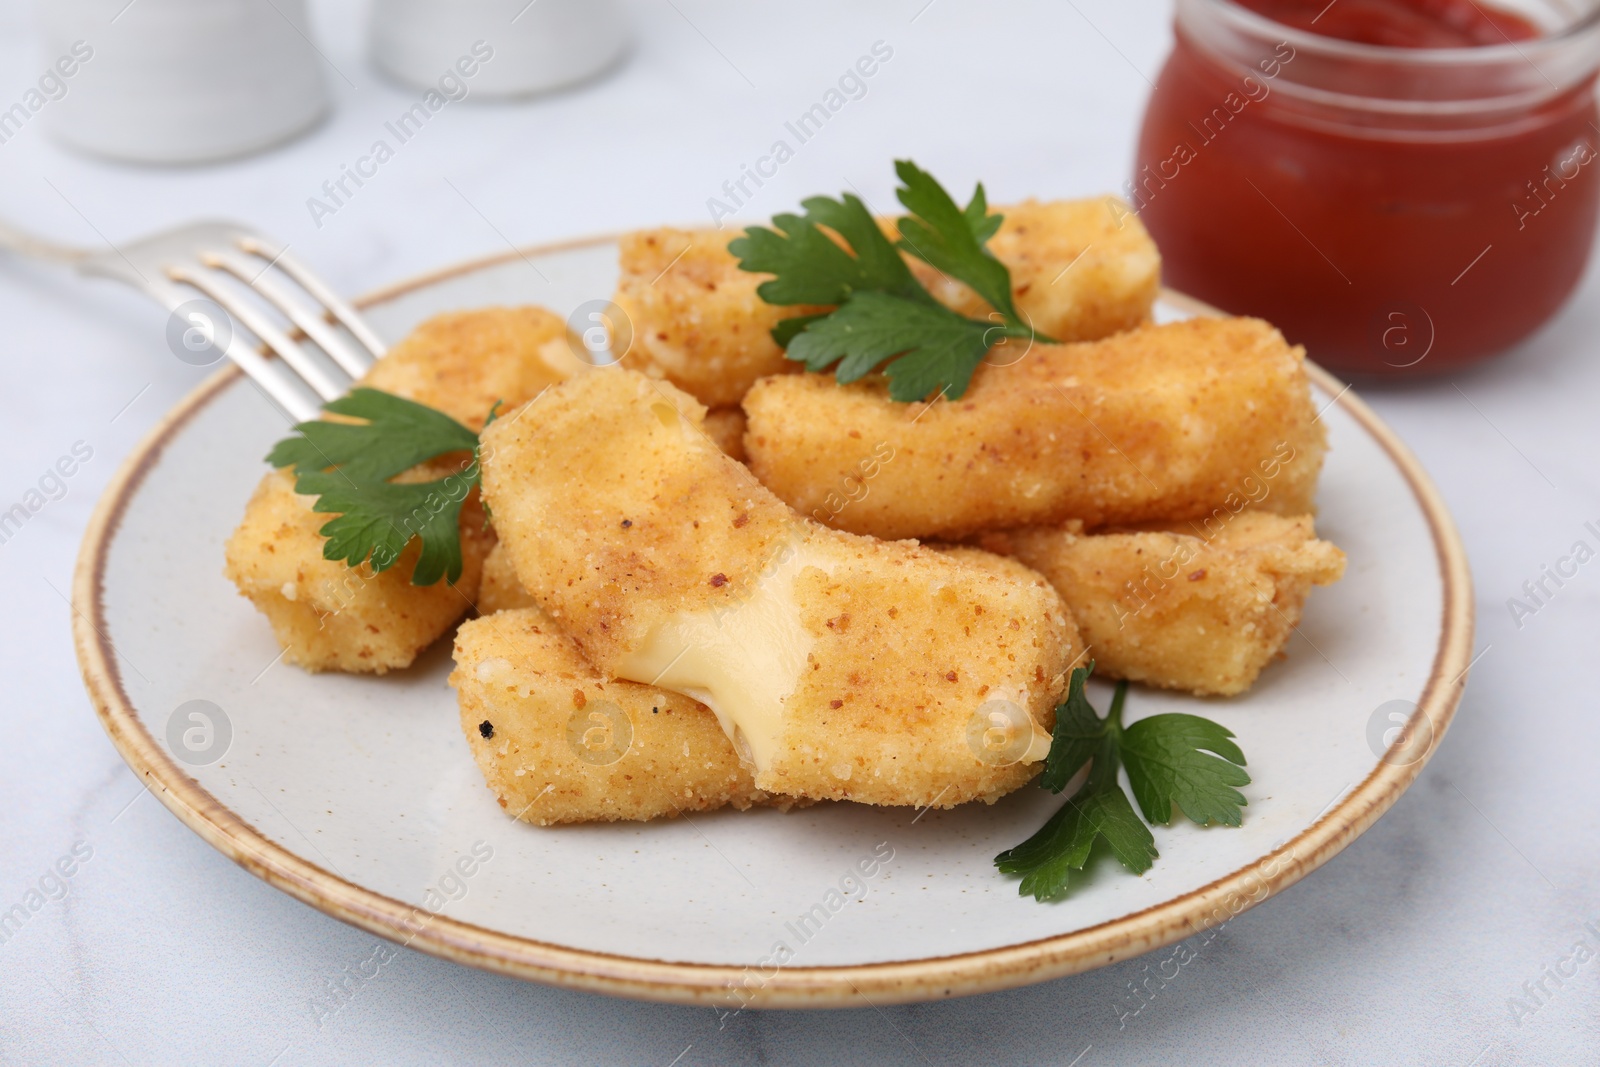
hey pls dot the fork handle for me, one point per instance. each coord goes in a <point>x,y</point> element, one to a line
<point>38,248</point>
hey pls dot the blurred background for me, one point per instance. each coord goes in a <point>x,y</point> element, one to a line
<point>1404,949</point>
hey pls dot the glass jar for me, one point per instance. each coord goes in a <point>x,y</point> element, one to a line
<point>1400,211</point>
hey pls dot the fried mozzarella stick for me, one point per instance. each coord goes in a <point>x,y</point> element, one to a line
<point>558,742</point>
<point>694,316</point>
<point>1200,606</point>
<point>1080,270</point>
<point>462,362</point>
<point>1160,423</point>
<point>499,589</point>
<point>726,427</point>
<point>841,667</point>
<point>330,617</point>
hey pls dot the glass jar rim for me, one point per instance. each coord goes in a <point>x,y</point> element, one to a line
<point>1433,93</point>
<point>1476,55</point>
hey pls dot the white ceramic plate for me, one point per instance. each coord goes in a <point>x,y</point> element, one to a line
<point>358,794</point>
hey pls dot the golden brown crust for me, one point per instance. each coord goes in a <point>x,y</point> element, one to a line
<point>695,318</point>
<point>725,426</point>
<point>462,362</point>
<point>991,600</point>
<point>905,643</point>
<point>557,742</point>
<point>607,496</point>
<point>910,642</point>
<point>1161,422</point>
<point>1183,605</point>
<point>1080,270</point>
<point>330,617</point>
<point>500,590</point>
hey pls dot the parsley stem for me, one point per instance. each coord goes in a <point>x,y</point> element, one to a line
<point>1114,716</point>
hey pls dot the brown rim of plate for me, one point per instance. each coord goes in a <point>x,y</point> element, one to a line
<point>929,978</point>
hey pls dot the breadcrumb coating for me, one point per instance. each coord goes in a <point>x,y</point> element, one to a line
<point>1192,606</point>
<point>1159,423</point>
<point>558,742</point>
<point>330,617</point>
<point>623,519</point>
<point>726,427</point>
<point>695,318</point>
<point>462,362</point>
<point>499,590</point>
<point>1173,608</point>
<point>1080,270</point>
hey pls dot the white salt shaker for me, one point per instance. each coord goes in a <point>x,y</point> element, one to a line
<point>512,47</point>
<point>180,81</point>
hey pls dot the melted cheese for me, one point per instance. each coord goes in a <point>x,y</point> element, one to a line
<point>1039,747</point>
<point>1005,709</point>
<point>742,660</point>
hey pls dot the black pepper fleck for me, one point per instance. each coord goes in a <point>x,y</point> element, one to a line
<point>626,523</point>
<point>486,728</point>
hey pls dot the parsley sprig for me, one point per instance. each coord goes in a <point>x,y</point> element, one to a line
<point>880,311</point>
<point>1172,760</point>
<point>347,466</point>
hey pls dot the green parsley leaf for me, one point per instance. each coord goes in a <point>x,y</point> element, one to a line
<point>347,467</point>
<point>882,314</point>
<point>376,520</point>
<point>938,348</point>
<point>1169,760</point>
<point>811,268</point>
<point>946,237</point>
<point>396,436</point>
<point>984,225</point>
<point>1079,736</point>
<point>1064,843</point>
<point>787,329</point>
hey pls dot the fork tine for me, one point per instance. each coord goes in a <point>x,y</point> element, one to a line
<point>295,356</point>
<point>313,285</point>
<point>170,265</point>
<point>310,322</point>
<point>271,378</point>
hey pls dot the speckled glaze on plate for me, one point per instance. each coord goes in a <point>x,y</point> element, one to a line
<point>358,795</point>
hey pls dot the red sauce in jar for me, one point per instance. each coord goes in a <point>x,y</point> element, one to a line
<point>1400,23</point>
<point>1387,248</point>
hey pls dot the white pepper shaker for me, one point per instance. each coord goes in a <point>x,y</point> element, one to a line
<point>515,47</point>
<point>181,81</point>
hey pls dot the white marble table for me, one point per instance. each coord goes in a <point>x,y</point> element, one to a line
<point>1405,949</point>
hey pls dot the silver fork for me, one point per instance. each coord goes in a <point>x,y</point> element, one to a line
<point>208,259</point>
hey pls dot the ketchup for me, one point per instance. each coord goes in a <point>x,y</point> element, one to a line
<point>1388,246</point>
<point>1400,23</point>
